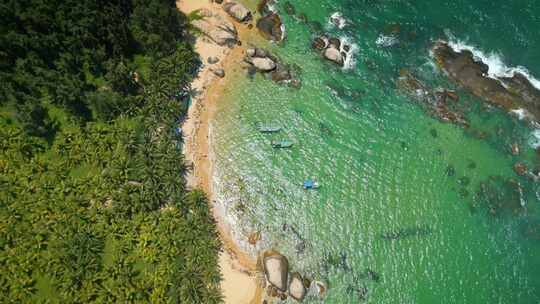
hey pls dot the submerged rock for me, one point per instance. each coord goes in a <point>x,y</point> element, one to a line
<point>276,268</point>
<point>510,93</point>
<point>281,73</point>
<point>289,8</point>
<point>271,27</point>
<point>530,229</point>
<point>464,181</point>
<point>450,171</point>
<point>520,168</point>
<point>407,232</point>
<point>361,291</point>
<point>500,195</point>
<point>434,100</point>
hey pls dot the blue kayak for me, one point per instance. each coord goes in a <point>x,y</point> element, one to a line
<point>311,184</point>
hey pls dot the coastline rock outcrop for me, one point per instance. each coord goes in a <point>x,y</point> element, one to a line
<point>333,49</point>
<point>260,59</point>
<point>297,289</point>
<point>264,62</point>
<point>271,27</point>
<point>217,28</point>
<point>510,93</point>
<point>236,10</point>
<point>276,269</point>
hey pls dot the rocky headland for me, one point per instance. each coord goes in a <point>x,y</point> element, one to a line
<point>511,93</point>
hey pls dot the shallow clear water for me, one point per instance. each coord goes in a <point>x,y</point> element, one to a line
<point>389,202</point>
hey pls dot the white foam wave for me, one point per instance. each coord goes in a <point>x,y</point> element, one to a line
<point>271,6</point>
<point>495,61</point>
<point>386,41</point>
<point>521,113</point>
<point>283,32</point>
<point>350,61</point>
<point>534,139</point>
<point>337,20</point>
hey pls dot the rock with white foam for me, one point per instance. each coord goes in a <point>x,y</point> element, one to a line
<point>337,20</point>
<point>467,68</point>
<point>334,55</point>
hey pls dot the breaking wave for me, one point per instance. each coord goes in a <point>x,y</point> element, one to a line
<point>495,61</point>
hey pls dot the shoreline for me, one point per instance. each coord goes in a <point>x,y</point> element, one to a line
<point>239,284</point>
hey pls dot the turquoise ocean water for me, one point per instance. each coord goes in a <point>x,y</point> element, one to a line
<point>411,210</point>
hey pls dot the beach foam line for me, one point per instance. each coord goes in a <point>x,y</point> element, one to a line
<point>350,61</point>
<point>495,61</point>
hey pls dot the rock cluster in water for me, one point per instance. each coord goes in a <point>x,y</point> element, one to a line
<point>435,100</point>
<point>281,285</point>
<point>333,49</point>
<point>262,61</point>
<point>510,93</point>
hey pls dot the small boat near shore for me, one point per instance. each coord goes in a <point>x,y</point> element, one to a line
<point>282,144</point>
<point>311,184</point>
<point>269,129</point>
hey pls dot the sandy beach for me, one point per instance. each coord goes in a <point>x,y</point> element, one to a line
<point>240,284</point>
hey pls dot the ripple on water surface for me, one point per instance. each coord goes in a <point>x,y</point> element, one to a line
<point>411,210</point>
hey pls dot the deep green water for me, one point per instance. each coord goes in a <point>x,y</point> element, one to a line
<point>383,160</point>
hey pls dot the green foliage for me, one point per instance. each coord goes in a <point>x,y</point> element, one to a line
<point>92,200</point>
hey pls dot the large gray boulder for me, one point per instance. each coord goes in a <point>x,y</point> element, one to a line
<point>237,11</point>
<point>334,55</point>
<point>270,27</point>
<point>276,269</point>
<point>297,290</point>
<point>263,64</point>
<point>257,52</point>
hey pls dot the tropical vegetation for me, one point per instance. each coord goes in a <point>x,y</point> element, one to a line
<point>93,204</point>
